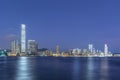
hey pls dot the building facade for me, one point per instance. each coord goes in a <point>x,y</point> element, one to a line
<point>15,47</point>
<point>23,38</point>
<point>32,47</point>
<point>106,50</point>
<point>90,48</point>
<point>57,49</point>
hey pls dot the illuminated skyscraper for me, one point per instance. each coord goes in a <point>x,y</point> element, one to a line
<point>15,47</point>
<point>23,38</point>
<point>90,47</point>
<point>106,50</point>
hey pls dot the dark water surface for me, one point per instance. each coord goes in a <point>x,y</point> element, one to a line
<point>58,68</point>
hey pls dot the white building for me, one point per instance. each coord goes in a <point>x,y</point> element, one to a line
<point>15,47</point>
<point>23,38</point>
<point>90,47</point>
<point>106,50</point>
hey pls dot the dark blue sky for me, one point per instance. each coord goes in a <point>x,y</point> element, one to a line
<point>69,23</point>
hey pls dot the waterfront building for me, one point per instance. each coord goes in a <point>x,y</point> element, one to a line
<point>90,48</point>
<point>57,49</point>
<point>15,47</point>
<point>85,52</point>
<point>44,52</point>
<point>18,47</point>
<point>32,47</point>
<point>76,51</point>
<point>23,38</point>
<point>94,51</point>
<point>106,50</point>
<point>70,51</point>
<point>3,53</point>
<point>65,54</point>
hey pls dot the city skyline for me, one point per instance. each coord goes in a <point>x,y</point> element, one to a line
<point>59,39</point>
<point>71,24</point>
<point>25,46</point>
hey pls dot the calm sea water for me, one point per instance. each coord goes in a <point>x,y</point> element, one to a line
<point>58,68</point>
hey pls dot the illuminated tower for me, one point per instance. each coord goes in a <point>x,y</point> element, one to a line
<point>106,49</point>
<point>90,47</point>
<point>13,46</point>
<point>23,38</point>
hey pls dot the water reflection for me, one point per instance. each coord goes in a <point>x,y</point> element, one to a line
<point>76,69</point>
<point>39,68</point>
<point>4,69</point>
<point>24,71</point>
<point>90,69</point>
<point>104,74</point>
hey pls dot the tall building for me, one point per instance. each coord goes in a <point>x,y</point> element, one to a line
<point>90,48</point>
<point>15,47</point>
<point>32,47</point>
<point>18,47</point>
<point>106,50</point>
<point>23,38</point>
<point>57,49</point>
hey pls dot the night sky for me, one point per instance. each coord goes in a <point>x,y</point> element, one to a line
<point>69,23</point>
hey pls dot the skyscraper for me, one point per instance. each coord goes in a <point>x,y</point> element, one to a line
<point>106,50</point>
<point>90,47</point>
<point>57,49</point>
<point>32,47</point>
<point>23,38</point>
<point>15,47</point>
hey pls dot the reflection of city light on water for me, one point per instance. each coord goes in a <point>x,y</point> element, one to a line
<point>5,75</point>
<point>90,69</point>
<point>23,69</point>
<point>104,75</point>
<point>76,69</point>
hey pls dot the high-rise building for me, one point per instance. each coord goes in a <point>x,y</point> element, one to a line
<point>15,47</point>
<point>106,50</point>
<point>18,47</point>
<point>90,47</point>
<point>32,47</point>
<point>57,49</point>
<point>23,38</point>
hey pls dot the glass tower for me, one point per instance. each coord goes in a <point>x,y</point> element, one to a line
<point>106,49</point>
<point>23,38</point>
